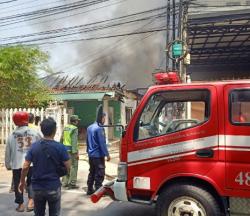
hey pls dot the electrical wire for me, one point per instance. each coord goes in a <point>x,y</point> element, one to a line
<point>37,5</point>
<point>106,51</point>
<point>86,39</point>
<point>14,19</point>
<point>77,27</point>
<point>12,6</point>
<point>85,64</point>
<point>84,28</point>
<point>72,31</point>
<point>63,17</point>
<point>8,1</point>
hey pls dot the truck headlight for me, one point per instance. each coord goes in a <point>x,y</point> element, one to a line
<point>122,172</point>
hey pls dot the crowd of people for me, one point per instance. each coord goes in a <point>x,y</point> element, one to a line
<point>38,161</point>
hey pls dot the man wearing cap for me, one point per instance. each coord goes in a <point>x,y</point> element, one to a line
<point>70,141</point>
<point>18,144</point>
<point>97,151</point>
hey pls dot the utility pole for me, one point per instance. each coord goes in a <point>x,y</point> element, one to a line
<point>168,34</point>
<point>184,37</point>
<point>173,26</point>
<point>175,34</point>
<point>180,36</point>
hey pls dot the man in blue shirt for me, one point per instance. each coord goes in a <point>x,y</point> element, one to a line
<point>45,180</point>
<point>97,151</point>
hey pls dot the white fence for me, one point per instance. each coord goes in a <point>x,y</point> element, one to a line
<point>7,125</point>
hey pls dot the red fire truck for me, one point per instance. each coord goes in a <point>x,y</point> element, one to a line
<point>187,149</point>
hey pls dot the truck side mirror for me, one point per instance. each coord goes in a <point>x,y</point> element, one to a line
<point>123,133</point>
<point>113,126</point>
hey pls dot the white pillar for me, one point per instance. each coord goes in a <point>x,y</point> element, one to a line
<point>189,108</point>
<point>123,113</point>
<point>106,110</point>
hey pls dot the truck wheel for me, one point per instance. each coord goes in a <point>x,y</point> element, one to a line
<point>186,200</point>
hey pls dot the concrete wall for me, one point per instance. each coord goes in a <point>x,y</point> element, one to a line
<point>131,103</point>
<point>117,116</point>
<point>86,110</point>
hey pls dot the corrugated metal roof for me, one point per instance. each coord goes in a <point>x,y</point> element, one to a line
<point>69,96</point>
<point>220,38</point>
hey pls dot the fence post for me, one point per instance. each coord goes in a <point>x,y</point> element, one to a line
<point>11,121</point>
<point>6,124</point>
<point>42,114</point>
<point>2,126</point>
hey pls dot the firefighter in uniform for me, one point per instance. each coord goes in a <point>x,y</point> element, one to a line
<point>97,151</point>
<point>70,141</point>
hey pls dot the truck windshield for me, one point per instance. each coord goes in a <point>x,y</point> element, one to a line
<point>150,110</point>
<point>171,111</point>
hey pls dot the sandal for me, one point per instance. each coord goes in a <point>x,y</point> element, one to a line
<point>20,209</point>
<point>29,209</point>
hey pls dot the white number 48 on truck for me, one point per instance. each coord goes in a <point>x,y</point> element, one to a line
<point>187,150</point>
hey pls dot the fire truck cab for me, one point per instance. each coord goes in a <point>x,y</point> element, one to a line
<point>187,149</point>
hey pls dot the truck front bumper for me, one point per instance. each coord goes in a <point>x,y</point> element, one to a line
<point>114,189</point>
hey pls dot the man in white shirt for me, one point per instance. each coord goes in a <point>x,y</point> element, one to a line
<point>18,144</point>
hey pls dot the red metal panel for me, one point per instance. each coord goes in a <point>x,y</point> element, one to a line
<point>237,148</point>
<point>160,169</point>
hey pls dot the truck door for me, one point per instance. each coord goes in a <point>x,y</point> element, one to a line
<point>237,136</point>
<point>175,131</point>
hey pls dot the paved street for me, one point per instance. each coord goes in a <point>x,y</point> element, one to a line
<point>74,202</point>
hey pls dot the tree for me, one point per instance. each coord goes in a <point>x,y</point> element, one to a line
<point>20,85</point>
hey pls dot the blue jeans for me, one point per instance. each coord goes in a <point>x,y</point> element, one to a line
<point>53,198</point>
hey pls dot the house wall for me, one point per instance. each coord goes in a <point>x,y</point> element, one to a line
<point>86,110</point>
<point>130,103</point>
<point>117,116</point>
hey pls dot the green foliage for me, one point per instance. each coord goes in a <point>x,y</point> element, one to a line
<point>19,83</point>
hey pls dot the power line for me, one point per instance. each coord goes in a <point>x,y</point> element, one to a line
<point>63,17</point>
<point>90,38</point>
<point>88,30</point>
<point>110,48</point>
<point>88,27</point>
<point>37,5</point>
<point>65,6</point>
<point>101,57</point>
<point>118,43</point>
<point>127,34</point>
<point>13,19</point>
<point>84,64</point>
<point>19,4</point>
<point>43,16</point>
<point>8,1</point>
<point>85,25</point>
